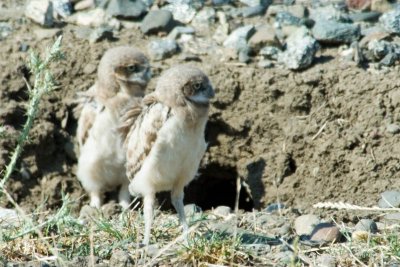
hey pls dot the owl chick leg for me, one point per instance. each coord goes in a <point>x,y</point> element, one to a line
<point>124,197</point>
<point>148,206</point>
<point>95,199</point>
<point>177,202</point>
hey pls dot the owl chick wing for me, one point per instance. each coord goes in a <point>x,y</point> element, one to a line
<point>144,123</point>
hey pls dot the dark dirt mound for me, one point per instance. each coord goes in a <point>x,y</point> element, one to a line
<point>295,137</point>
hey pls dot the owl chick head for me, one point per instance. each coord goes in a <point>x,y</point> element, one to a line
<point>124,68</point>
<point>184,85</point>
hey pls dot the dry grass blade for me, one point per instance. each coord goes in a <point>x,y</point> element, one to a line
<point>347,206</point>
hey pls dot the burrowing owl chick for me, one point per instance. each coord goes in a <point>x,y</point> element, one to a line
<point>166,139</point>
<point>123,74</point>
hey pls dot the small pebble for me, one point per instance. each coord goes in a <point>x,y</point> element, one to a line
<point>366,225</point>
<point>304,224</point>
<point>326,232</point>
<point>222,211</point>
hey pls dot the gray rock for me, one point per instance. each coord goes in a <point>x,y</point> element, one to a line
<point>265,64</point>
<point>392,128</point>
<point>191,210</point>
<point>285,18</point>
<point>179,30</point>
<point>204,17</point>
<point>333,32</point>
<point>326,260</point>
<point>380,48</point>
<point>244,55</point>
<point>364,16</point>
<point>222,211</point>
<point>389,199</point>
<point>8,217</point>
<point>238,38</point>
<point>326,232</point>
<point>101,33</point>
<point>63,7</point>
<point>270,52</point>
<point>300,51</point>
<point>252,11</point>
<point>304,224</point>
<point>367,225</point>
<point>221,2</point>
<point>127,9</point>
<point>5,30</point>
<point>393,217</point>
<point>182,12</point>
<point>157,21</point>
<point>388,61</point>
<point>161,49</point>
<point>324,13</point>
<point>265,3</point>
<point>197,4</point>
<point>391,21</point>
<point>274,207</point>
<point>120,258</point>
<point>42,34</point>
<point>41,12</point>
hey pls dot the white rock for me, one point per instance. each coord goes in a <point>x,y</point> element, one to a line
<point>40,11</point>
<point>304,224</point>
<point>8,217</point>
<point>92,18</point>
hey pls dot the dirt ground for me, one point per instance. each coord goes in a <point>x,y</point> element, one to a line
<point>294,137</point>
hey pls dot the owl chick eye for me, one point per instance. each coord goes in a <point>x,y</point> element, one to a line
<point>197,86</point>
<point>132,68</point>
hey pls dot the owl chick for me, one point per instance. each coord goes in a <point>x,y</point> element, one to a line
<point>123,74</point>
<point>166,139</point>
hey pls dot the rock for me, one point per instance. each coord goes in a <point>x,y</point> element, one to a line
<point>364,16</point>
<point>42,34</point>
<point>366,225</point>
<point>23,47</point>
<point>127,9</point>
<point>326,260</point>
<point>274,207</point>
<point>374,34</point>
<point>392,217</point>
<point>244,55</point>
<point>238,38</point>
<point>300,50</point>
<point>120,258</point>
<point>63,7</point>
<point>332,32</point>
<point>9,217</point>
<point>304,224</point>
<point>5,30</point>
<point>191,210</point>
<point>87,213</point>
<point>40,11</point>
<point>153,250</point>
<point>380,49</point>
<point>391,21</point>
<point>392,128</point>
<point>101,33</point>
<point>204,18</point>
<point>265,3</point>
<point>84,4</point>
<point>252,11</point>
<point>222,211</point>
<point>389,199</point>
<point>358,4</point>
<point>221,2</point>
<point>181,12</point>
<point>388,61</point>
<point>265,64</point>
<point>285,18</point>
<point>157,21</point>
<point>264,36</point>
<point>270,52</point>
<point>179,30</point>
<point>161,49</point>
<point>326,232</point>
<point>324,13</point>
<point>197,4</point>
<point>381,5</point>
<point>93,18</point>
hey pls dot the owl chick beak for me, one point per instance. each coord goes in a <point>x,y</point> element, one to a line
<point>141,78</point>
<point>203,97</point>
